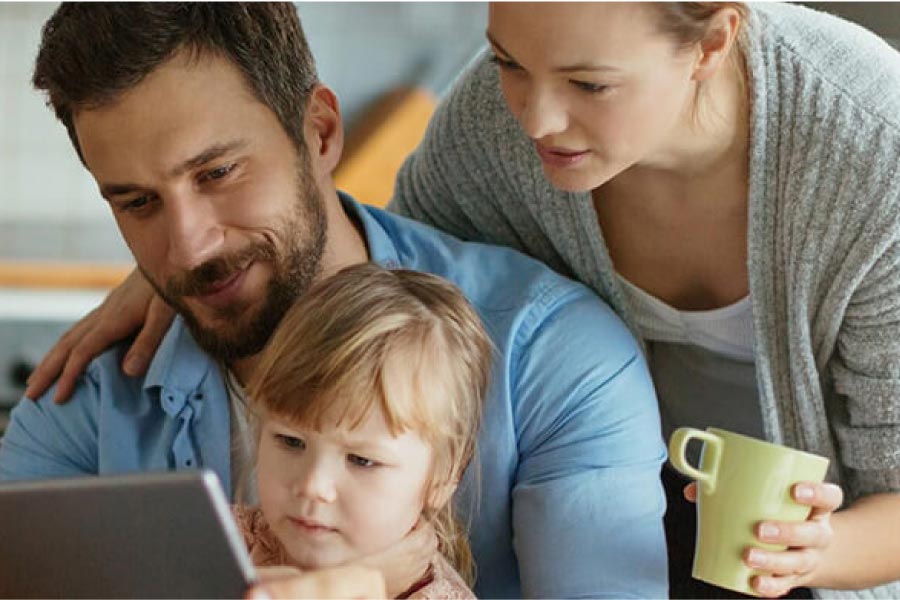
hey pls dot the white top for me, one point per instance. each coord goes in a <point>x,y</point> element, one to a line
<point>243,440</point>
<point>702,362</point>
<point>727,331</point>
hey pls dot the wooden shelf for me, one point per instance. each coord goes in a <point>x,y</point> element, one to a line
<point>70,275</point>
<point>378,145</point>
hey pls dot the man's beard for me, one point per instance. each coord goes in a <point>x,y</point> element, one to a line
<point>245,330</point>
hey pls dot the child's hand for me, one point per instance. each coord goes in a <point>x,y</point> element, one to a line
<point>337,582</point>
<point>807,542</point>
<point>404,563</point>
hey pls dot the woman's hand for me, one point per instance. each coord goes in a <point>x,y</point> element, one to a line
<point>132,306</point>
<point>404,563</point>
<point>807,542</point>
<point>350,581</point>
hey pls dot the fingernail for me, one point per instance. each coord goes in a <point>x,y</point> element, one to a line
<point>768,531</point>
<point>133,364</point>
<point>756,558</point>
<point>804,492</point>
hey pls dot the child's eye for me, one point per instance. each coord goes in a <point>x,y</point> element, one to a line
<point>289,441</point>
<point>361,461</point>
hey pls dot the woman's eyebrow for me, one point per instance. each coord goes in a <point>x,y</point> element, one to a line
<point>577,67</point>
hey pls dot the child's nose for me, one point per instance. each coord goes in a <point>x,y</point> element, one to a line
<point>316,483</point>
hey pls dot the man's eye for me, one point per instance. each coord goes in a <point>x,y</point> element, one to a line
<point>361,461</point>
<point>135,204</point>
<point>217,173</point>
<point>289,441</point>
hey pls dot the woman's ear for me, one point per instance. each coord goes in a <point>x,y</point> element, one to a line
<point>323,129</point>
<point>717,43</point>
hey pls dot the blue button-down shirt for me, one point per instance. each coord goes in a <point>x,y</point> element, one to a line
<point>563,498</point>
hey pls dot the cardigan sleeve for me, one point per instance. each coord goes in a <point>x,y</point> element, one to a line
<point>867,378</point>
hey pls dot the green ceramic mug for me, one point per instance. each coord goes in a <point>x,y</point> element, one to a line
<point>740,482</point>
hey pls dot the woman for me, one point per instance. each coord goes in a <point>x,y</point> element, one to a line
<point>723,175</point>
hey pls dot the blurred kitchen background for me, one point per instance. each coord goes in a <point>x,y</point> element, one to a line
<point>59,247</point>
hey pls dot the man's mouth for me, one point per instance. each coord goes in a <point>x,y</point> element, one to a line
<point>222,293</point>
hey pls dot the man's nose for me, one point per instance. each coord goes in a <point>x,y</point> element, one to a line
<point>316,481</point>
<point>542,113</point>
<point>194,231</point>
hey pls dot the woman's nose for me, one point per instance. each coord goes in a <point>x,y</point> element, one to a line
<point>542,114</point>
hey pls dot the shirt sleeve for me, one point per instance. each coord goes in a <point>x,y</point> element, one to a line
<point>587,500</point>
<point>47,440</point>
<point>866,372</point>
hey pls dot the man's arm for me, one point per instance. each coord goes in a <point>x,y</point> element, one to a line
<point>588,501</point>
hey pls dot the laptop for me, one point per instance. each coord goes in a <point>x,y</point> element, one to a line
<point>149,535</point>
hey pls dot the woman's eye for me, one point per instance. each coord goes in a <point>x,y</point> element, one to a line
<point>360,461</point>
<point>504,63</point>
<point>594,88</point>
<point>289,441</point>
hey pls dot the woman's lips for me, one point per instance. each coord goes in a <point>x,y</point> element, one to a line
<point>560,157</point>
<point>223,293</point>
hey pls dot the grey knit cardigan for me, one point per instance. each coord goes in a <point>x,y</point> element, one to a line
<point>824,229</point>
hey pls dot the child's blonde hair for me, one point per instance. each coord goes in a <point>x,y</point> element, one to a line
<point>329,356</point>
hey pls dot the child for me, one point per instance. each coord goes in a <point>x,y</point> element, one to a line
<point>368,401</point>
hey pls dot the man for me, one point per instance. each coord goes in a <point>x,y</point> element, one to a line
<point>213,142</point>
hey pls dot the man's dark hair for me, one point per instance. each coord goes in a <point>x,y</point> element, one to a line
<point>91,52</point>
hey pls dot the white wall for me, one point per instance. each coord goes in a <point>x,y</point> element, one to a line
<point>40,176</point>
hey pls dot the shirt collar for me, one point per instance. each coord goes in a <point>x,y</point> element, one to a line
<point>382,249</point>
<point>179,362</point>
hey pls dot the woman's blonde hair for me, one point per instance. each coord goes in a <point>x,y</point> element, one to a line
<point>330,356</point>
<point>687,23</point>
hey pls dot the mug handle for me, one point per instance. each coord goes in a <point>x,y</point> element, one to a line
<point>678,446</point>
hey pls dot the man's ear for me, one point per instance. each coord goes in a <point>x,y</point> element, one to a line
<point>717,43</point>
<point>323,129</point>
